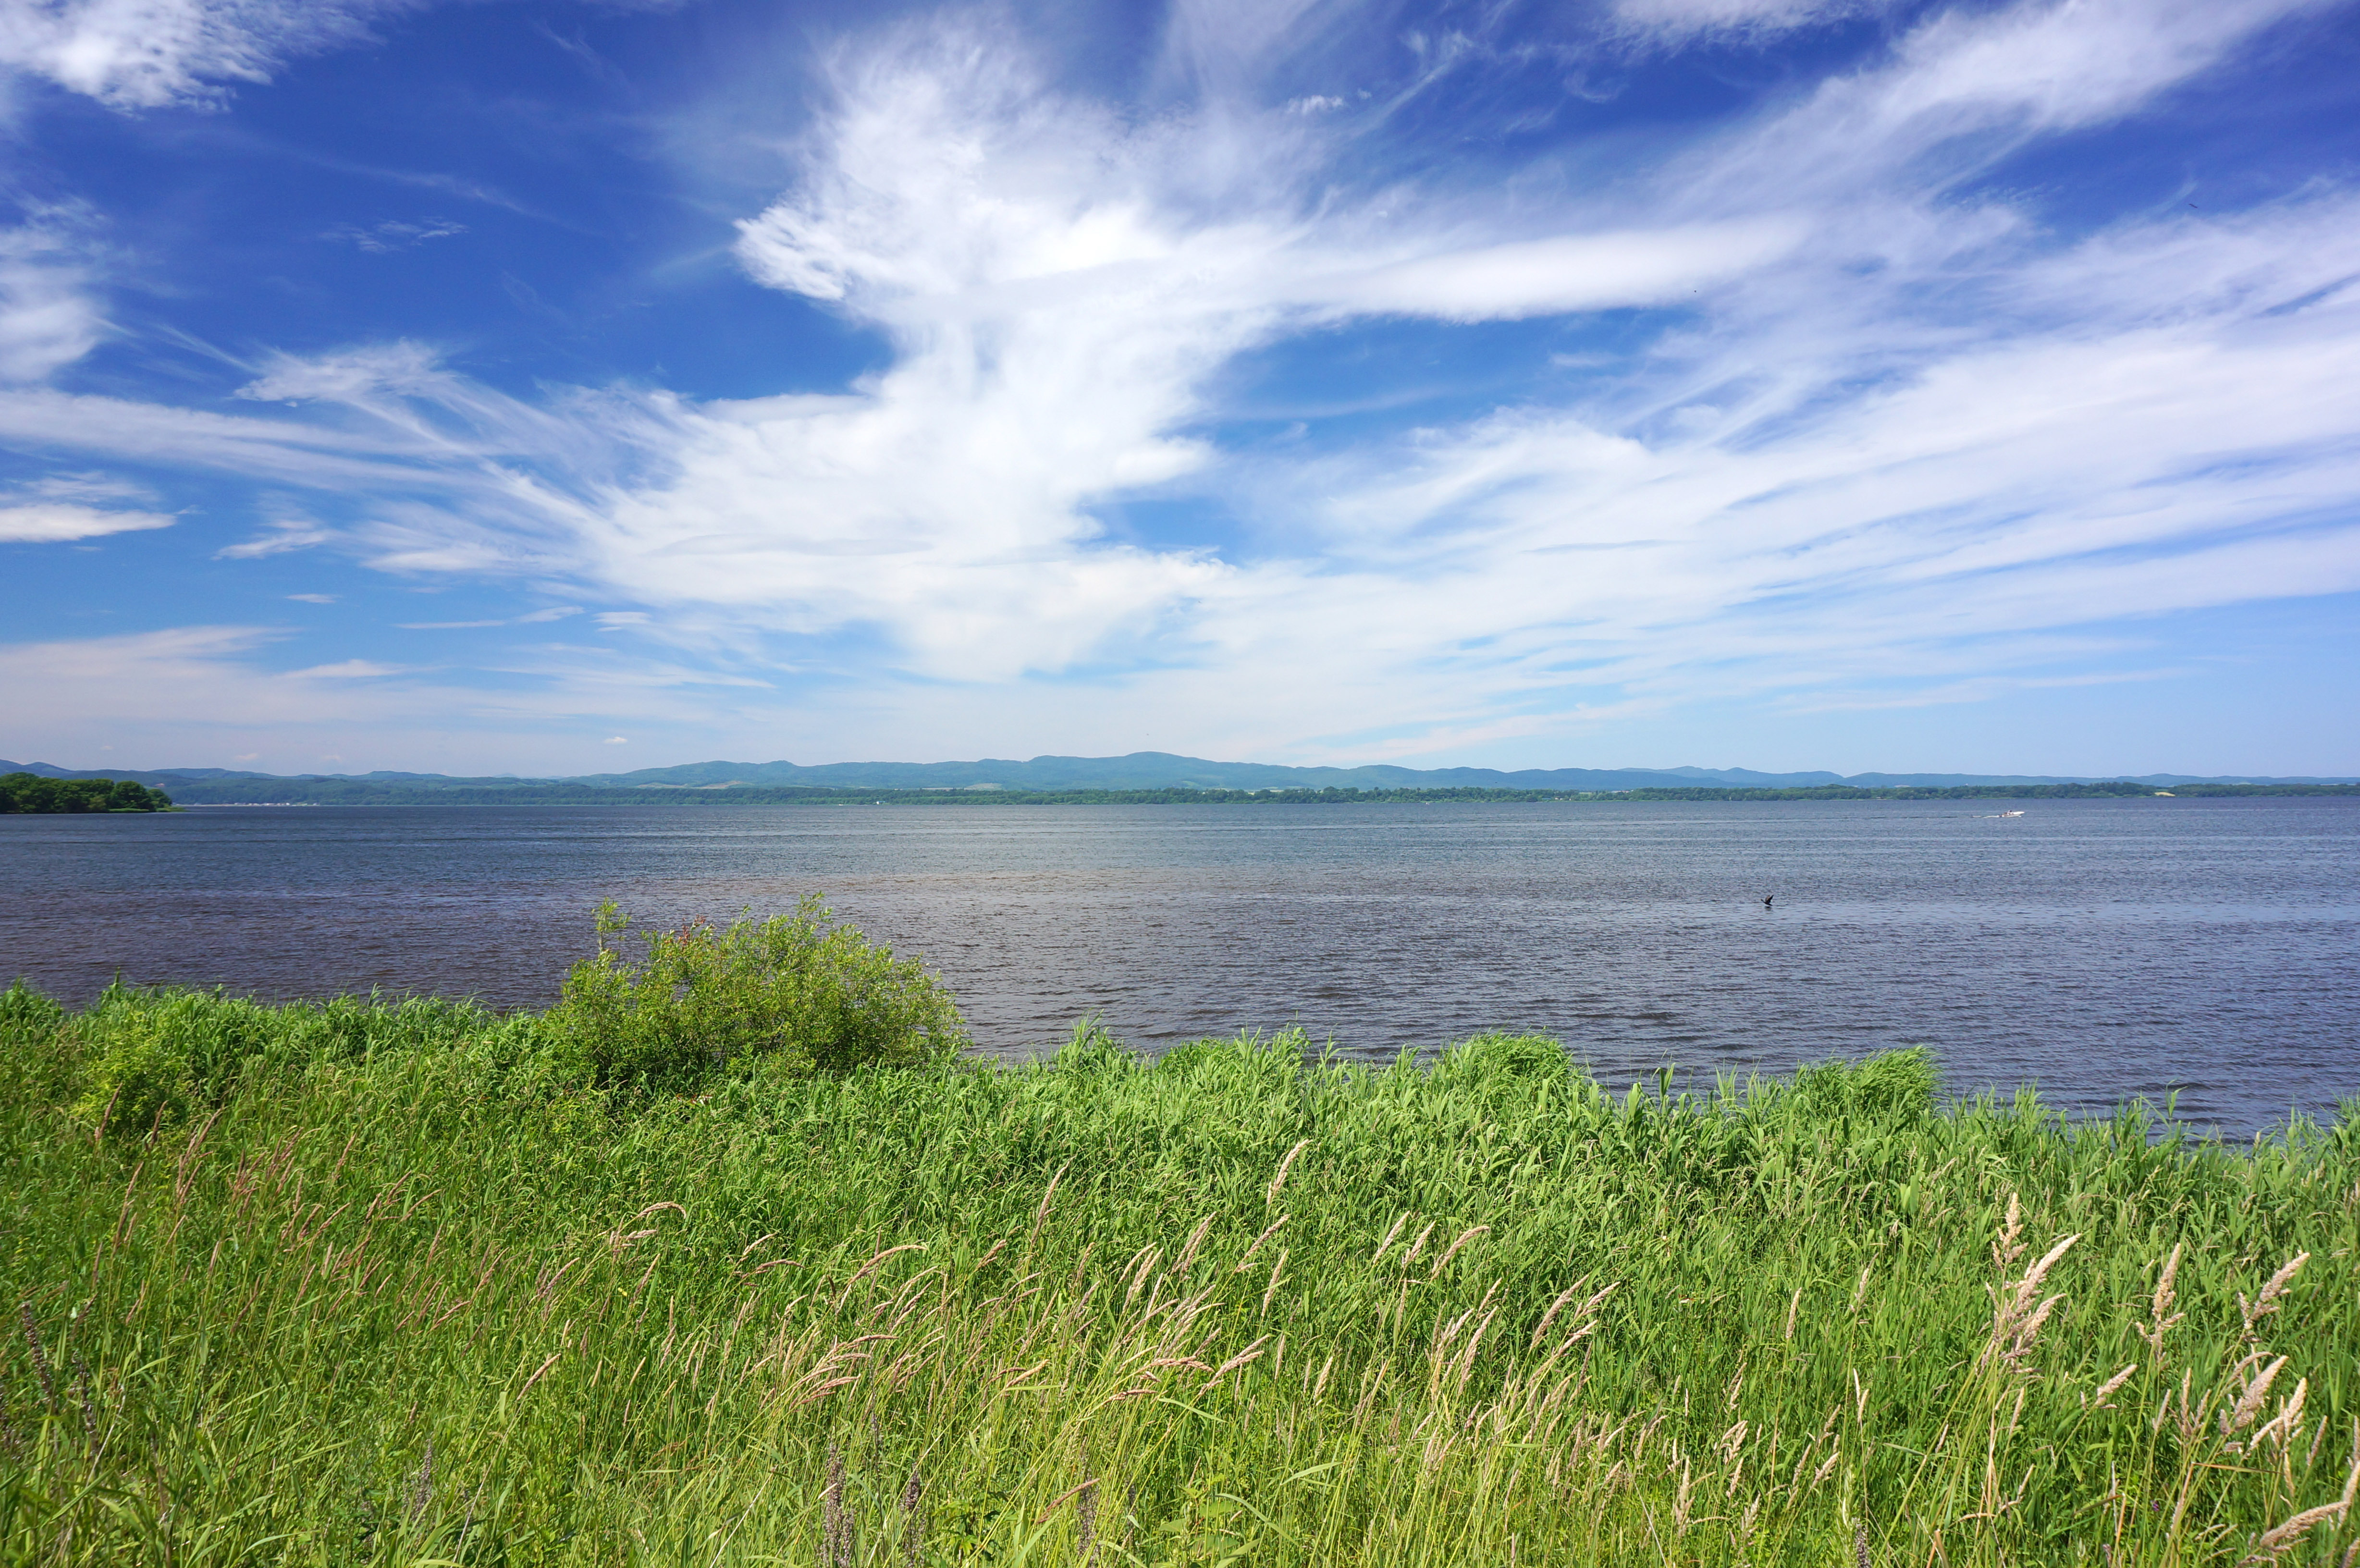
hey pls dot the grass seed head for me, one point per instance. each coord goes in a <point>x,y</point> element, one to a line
<point>2283,1426</point>
<point>1270,1194</point>
<point>2165,1282</point>
<point>2249,1403</point>
<point>2009,1247</point>
<point>2278,1540</point>
<point>2165,1318</point>
<point>1188,1254</point>
<point>2272,1292</point>
<point>2105,1390</point>
<point>1469,1234</point>
<point>1267,1232</point>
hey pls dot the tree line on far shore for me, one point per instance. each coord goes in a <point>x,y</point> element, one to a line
<point>31,792</point>
<point>369,792</point>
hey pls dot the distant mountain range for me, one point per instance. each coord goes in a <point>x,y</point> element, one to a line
<point>1140,770</point>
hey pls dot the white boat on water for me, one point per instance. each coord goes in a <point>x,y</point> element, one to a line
<point>2011,813</point>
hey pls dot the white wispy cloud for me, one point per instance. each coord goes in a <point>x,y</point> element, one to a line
<point>537,617</point>
<point>301,454</point>
<point>44,522</point>
<point>1882,387</point>
<point>212,692</point>
<point>50,314</point>
<point>167,675</point>
<point>87,487</point>
<point>1890,429</point>
<point>1680,20</point>
<point>393,235</point>
<point>148,54</point>
<point>282,536</point>
<point>348,670</point>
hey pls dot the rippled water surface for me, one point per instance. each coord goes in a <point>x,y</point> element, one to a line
<point>2102,948</point>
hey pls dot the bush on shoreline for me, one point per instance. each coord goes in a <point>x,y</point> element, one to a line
<point>402,1286</point>
<point>791,995</point>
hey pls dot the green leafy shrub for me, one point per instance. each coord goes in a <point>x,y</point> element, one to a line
<point>140,1082</point>
<point>152,1056</point>
<point>141,1060</point>
<point>795,994</point>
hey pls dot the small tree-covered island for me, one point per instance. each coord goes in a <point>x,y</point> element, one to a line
<point>31,792</point>
<point>733,1256</point>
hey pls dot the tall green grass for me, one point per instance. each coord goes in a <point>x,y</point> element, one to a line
<point>396,1284</point>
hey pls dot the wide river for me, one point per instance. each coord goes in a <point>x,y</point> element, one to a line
<point>2102,949</point>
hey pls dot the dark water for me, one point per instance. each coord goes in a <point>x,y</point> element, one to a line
<point>2104,949</point>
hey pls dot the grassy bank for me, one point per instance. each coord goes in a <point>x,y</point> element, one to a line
<point>419,1284</point>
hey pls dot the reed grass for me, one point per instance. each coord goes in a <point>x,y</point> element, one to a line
<point>392,1292</point>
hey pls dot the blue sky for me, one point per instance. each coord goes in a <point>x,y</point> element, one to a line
<point>565,388</point>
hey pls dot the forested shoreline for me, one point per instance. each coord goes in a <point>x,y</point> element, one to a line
<point>356,792</point>
<point>29,792</point>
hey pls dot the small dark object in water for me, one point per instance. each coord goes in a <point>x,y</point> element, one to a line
<point>1765,903</point>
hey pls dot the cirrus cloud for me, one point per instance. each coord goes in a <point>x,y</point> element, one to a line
<point>148,54</point>
<point>50,522</point>
<point>1866,419</point>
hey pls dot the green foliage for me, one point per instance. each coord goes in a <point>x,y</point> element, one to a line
<point>1514,1063</point>
<point>26,1015</point>
<point>43,1066</point>
<point>777,999</point>
<point>1250,1064</point>
<point>147,1058</point>
<point>31,792</point>
<point>141,1081</point>
<point>794,994</point>
<point>404,1287</point>
<point>1892,1083</point>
